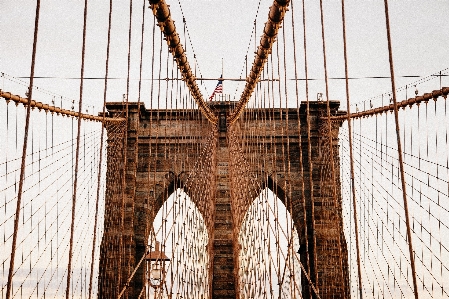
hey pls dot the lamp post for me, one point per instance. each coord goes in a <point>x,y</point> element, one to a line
<point>155,263</point>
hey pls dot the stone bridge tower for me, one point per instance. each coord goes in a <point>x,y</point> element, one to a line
<point>124,241</point>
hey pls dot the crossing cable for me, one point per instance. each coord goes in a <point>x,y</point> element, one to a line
<point>401,163</point>
<point>351,156</point>
<point>383,224</point>
<point>331,147</point>
<point>404,237</point>
<point>186,30</point>
<point>162,13</point>
<point>75,182</point>
<point>309,154</point>
<point>275,18</point>
<point>132,275</point>
<point>57,148</point>
<point>370,149</point>
<point>24,150</point>
<point>124,260</point>
<point>283,141</point>
<point>35,186</point>
<point>29,176</point>
<point>136,142</point>
<point>301,162</point>
<point>83,209</point>
<point>100,162</point>
<point>422,227</point>
<point>288,189</point>
<point>245,63</point>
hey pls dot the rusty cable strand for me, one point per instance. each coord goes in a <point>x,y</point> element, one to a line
<point>115,141</point>
<point>176,152</point>
<point>101,149</point>
<point>132,275</point>
<point>164,207</point>
<point>301,162</point>
<point>8,96</point>
<point>162,13</point>
<point>142,291</point>
<point>122,251</point>
<point>401,162</point>
<point>138,118</point>
<point>77,152</point>
<point>331,147</point>
<point>275,18</point>
<point>157,129</point>
<point>273,164</point>
<point>351,156</point>
<point>24,150</point>
<point>136,146</point>
<point>265,212</point>
<point>287,184</point>
<point>265,179</point>
<point>435,94</point>
<point>314,275</point>
<point>186,30</point>
<point>151,199</point>
<point>245,62</point>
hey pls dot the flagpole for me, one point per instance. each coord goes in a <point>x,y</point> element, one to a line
<point>222,93</point>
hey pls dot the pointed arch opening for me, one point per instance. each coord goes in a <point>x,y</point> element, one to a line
<point>183,236</point>
<point>269,265</point>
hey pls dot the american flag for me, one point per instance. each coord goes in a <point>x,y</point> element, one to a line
<point>218,88</point>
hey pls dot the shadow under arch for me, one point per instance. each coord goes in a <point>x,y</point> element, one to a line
<point>268,262</point>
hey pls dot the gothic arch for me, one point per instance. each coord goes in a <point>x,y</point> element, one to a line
<point>256,245</point>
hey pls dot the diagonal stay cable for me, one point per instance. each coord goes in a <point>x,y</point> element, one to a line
<point>162,13</point>
<point>275,18</point>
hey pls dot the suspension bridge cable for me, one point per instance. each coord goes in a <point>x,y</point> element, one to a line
<point>100,162</point>
<point>162,13</point>
<point>25,142</point>
<point>351,159</point>
<point>399,148</point>
<point>275,17</point>
<point>75,182</point>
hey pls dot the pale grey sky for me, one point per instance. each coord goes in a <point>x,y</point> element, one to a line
<point>222,29</point>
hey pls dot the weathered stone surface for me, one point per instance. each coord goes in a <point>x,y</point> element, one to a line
<point>157,145</point>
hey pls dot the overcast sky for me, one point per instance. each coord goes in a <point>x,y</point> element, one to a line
<point>222,30</point>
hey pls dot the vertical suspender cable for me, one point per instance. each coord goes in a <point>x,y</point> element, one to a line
<point>24,151</point>
<point>309,153</point>
<point>136,146</point>
<point>401,162</point>
<point>351,160</point>
<point>301,164</point>
<point>101,149</point>
<point>331,147</point>
<point>75,182</point>
<point>125,150</point>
